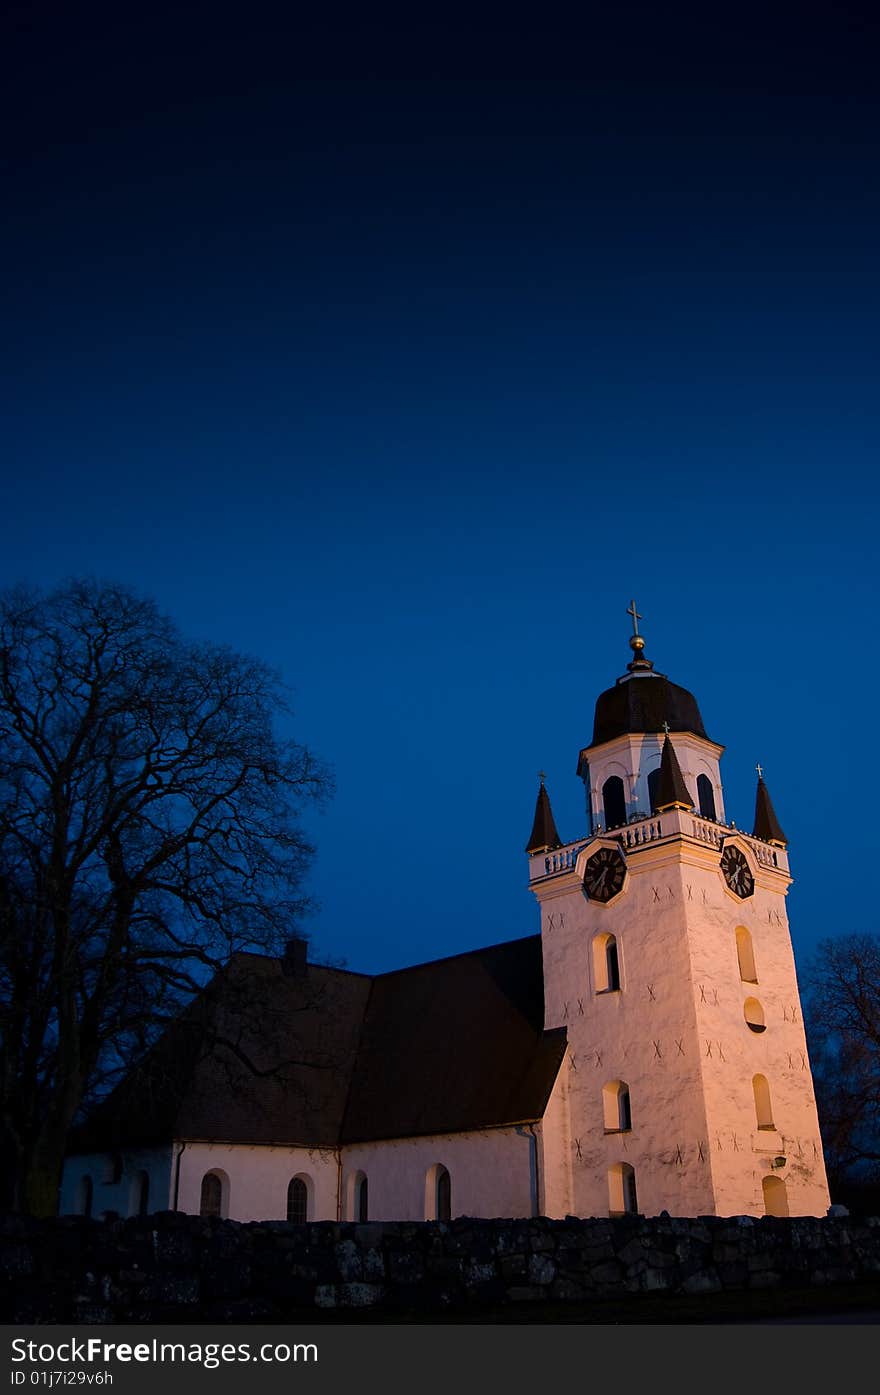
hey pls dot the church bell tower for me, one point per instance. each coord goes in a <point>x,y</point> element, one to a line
<point>668,960</point>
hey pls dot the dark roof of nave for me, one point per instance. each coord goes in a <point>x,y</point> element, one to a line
<point>329,1056</point>
<point>454,1045</point>
<point>644,703</point>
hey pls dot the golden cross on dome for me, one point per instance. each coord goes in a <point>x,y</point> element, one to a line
<point>631,610</point>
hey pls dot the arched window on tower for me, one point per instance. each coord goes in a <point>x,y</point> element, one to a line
<point>775,1196</point>
<point>763,1110</point>
<point>653,787</point>
<point>622,1199</point>
<point>706,797</point>
<point>616,1107</point>
<point>745,955</point>
<point>606,964</point>
<point>754,1015</point>
<point>614,802</point>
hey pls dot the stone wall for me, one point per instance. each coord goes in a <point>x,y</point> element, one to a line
<point>178,1268</point>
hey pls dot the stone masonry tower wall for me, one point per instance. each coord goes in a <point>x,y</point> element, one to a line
<point>668,959</point>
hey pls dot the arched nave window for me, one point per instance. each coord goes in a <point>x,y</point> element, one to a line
<point>438,1194</point>
<point>214,1197</point>
<point>298,1201</point>
<point>84,1195</point>
<point>139,1194</point>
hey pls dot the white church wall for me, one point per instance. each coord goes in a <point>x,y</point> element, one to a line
<point>255,1179</point>
<point>492,1172</point>
<point>116,1180</point>
<point>555,1152</point>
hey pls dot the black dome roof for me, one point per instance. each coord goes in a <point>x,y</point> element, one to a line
<point>644,703</point>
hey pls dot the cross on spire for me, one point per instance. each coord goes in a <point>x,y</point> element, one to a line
<point>636,617</point>
<point>760,769</point>
<point>542,776</point>
<point>666,727</point>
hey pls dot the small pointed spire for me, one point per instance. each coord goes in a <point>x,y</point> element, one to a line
<point>672,792</point>
<point>543,837</point>
<point>767,825</point>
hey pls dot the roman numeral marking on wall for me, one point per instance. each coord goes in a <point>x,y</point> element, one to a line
<point>656,893</point>
<point>718,1144</point>
<point>690,891</point>
<point>651,993</point>
<point>790,1061</point>
<point>784,1013</point>
<point>573,1060</point>
<point>561,921</point>
<point>564,1011</point>
<point>577,1146</point>
<point>679,1045</point>
<point>670,894</point>
<point>708,1048</point>
<point>551,922</point>
<point>721,1055</point>
<point>794,1013</point>
<point>598,1059</point>
<point>714,997</point>
<point>658,1054</point>
<point>580,1007</point>
<point>703,998</point>
<point>803,1061</point>
<point>700,1154</point>
<point>705,896</point>
<point>679,1156</point>
<point>735,1144</point>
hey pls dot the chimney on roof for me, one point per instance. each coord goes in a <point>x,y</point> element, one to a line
<point>294,962</point>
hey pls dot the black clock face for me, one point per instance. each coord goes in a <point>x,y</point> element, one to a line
<point>604,874</point>
<point>736,872</point>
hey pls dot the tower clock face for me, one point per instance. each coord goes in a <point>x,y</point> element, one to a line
<point>737,872</point>
<point>604,873</point>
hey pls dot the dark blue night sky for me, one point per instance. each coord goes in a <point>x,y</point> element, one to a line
<point>407,379</point>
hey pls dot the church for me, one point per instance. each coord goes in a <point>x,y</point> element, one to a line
<point>643,1052</point>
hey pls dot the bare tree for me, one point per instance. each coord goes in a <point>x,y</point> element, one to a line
<point>842,1016</point>
<point>149,830</point>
